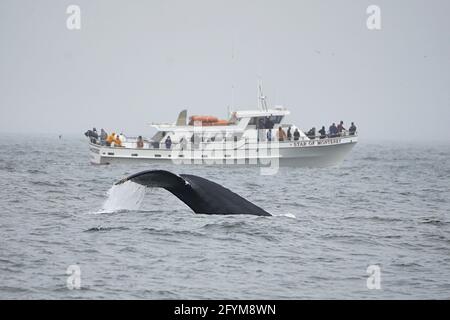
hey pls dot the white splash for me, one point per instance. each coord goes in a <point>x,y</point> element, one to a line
<point>125,196</point>
<point>287,215</point>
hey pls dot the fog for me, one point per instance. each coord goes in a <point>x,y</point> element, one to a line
<point>137,62</point>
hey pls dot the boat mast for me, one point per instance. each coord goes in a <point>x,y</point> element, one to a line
<point>262,102</point>
<point>231,107</point>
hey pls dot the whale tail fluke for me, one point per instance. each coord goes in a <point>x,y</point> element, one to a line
<point>200,194</point>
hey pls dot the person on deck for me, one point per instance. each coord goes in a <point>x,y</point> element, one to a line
<point>140,142</point>
<point>296,135</point>
<point>281,135</point>
<point>289,134</point>
<point>168,142</point>
<point>352,129</point>
<point>110,139</point>
<point>117,141</point>
<point>340,127</point>
<point>103,137</point>
<point>312,133</point>
<point>92,135</point>
<point>333,130</point>
<point>183,143</point>
<point>323,133</point>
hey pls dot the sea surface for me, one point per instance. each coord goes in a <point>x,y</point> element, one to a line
<point>387,205</point>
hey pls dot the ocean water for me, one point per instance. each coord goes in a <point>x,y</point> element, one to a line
<point>386,205</point>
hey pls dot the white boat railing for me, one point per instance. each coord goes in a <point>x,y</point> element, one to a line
<point>228,144</point>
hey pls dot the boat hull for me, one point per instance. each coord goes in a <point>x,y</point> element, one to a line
<point>307,153</point>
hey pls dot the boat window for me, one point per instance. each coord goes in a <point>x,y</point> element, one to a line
<point>253,121</point>
<point>276,119</point>
<point>258,120</point>
<point>265,122</point>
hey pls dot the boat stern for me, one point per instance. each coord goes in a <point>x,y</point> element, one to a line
<point>95,154</point>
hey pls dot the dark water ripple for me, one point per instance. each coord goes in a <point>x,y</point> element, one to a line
<point>388,204</point>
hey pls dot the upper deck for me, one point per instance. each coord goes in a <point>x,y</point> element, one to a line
<point>239,120</point>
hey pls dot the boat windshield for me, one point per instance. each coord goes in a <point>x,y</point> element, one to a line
<point>265,122</point>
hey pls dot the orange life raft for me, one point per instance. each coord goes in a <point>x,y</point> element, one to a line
<point>203,118</point>
<point>208,121</point>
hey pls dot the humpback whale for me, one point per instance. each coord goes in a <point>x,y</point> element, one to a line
<point>200,194</point>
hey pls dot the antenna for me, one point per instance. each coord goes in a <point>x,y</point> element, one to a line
<point>232,79</point>
<point>262,102</point>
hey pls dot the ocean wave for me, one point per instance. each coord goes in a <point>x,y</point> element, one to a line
<point>58,184</point>
<point>172,232</point>
<point>104,229</point>
<point>434,222</point>
<point>227,225</point>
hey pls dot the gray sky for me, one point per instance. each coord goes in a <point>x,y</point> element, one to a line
<point>134,62</point>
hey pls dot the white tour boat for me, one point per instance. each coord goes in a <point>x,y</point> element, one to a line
<point>249,137</point>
